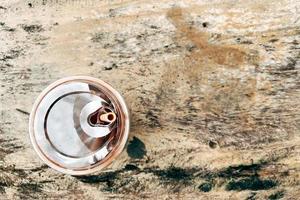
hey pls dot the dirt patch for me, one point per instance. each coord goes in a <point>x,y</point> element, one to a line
<point>219,54</point>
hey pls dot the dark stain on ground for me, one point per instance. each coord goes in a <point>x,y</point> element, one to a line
<point>8,146</point>
<point>205,187</point>
<point>19,172</point>
<point>4,152</point>
<point>111,66</point>
<point>131,167</point>
<point>246,177</point>
<point>6,28</point>
<point>29,187</point>
<point>106,177</point>
<point>5,182</point>
<point>34,28</point>
<point>41,168</point>
<point>5,176</point>
<point>240,171</point>
<point>173,173</point>
<point>276,195</point>
<point>291,64</point>
<point>110,181</point>
<point>98,37</point>
<point>136,148</point>
<point>11,54</point>
<point>212,144</point>
<point>2,189</point>
<point>118,180</point>
<point>251,183</point>
<point>153,119</point>
<point>29,190</point>
<point>236,178</point>
<point>242,177</point>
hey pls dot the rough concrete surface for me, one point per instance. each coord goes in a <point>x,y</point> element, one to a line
<point>213,88</point>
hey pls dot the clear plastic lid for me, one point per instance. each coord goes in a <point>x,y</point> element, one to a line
<point>78,125</point>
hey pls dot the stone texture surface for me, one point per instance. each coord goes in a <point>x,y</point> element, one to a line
<point>213,87</point>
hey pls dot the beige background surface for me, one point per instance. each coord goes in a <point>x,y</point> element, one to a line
<point>213,87</point>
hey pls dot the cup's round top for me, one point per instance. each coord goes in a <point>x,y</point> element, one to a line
<point>78,125</point>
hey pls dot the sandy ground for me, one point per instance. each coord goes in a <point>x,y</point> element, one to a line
<point>213,89</point>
